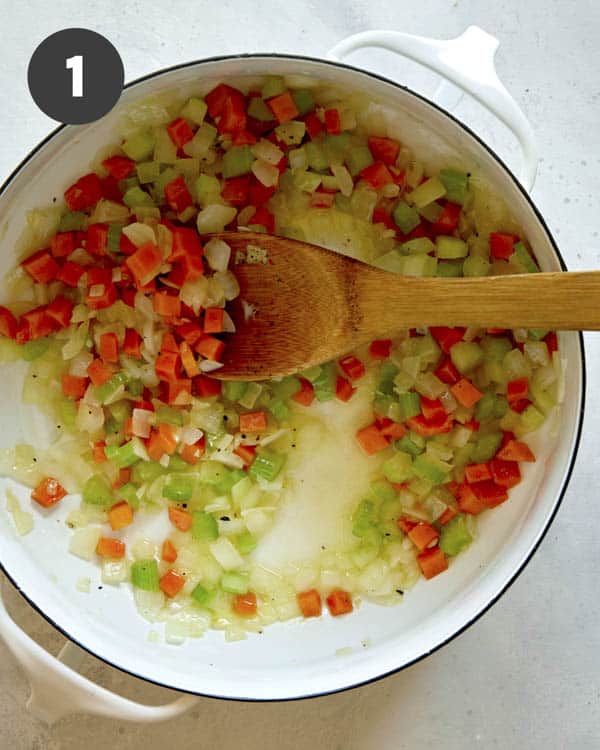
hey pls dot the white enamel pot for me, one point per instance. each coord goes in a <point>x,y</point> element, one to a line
<point>298,658</point>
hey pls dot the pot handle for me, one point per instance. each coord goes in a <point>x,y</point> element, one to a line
<point>466,62</point>
<point>57,688</point>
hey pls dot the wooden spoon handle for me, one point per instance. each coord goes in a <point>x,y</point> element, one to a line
<point>564,301</point>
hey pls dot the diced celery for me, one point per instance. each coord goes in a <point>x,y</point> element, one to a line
<point>124,455</point>
<point>258,109</point>
<point>398,468</point>
<point>144,575</point>
<point>105,391</point>
<point>286,388</point>
<point>204,526</point>
<point>406,217</point>
<point>496,347</point>
<point>165,150</point>
<point>202,141</point>
<point>324,383</point>
<point>383,490</point>
<point>407,445</point>
<point>245,543</point>
<point>531,419</point>
<point>135,387</point>
<point>127,183</point>
<point>456,184</point>
<point>451,248</point>
<point>147,171</point>
<point>235,583</point>
<point>516,365</point>
<point>315,156</point>
<point>34,349</point>
<point>429,468</point>
<point>273,86</point>
<point>357,159</point>
<point>195,110</point>
<point>427,192</point>
<point>306,181</point>
<point>179,487</point>
<point>486,447</point>
<point>466,356</point>
<point>537,334</point>
<point>169,415</point>
<point>304,101</point>
<point>212,472</point>
<point>450,268</point>
<point>392,261</point>
<point>278,409</point>
<point>522,259</point>
<point>419,265</point>
<point>266,465</point>
<point>72,221</point>
<point>139,146</point>
<point>128,492</point>
<point>208,190</point>
<point>67,412</point>
<point>387,373</point>
<point>120,411</point>
<point>114,237</point>
<point>342,203</point>
<point>312,373</point>
<point>241,489</point>
<point>410,405</point>
<point>363,518</point>
<point>135,196</point>
<point>176,463</point>
<point>233,390</point>
<point>475,266</point>
<point>455,536</point>
<point>97,491</point>
<point>420,245</point>
<point>202,595</point>
<point>462,456</point>
<point>237,161</point>
<point>146,472</point>
<point>251,395</point>
<point>490,406</point>
<point>431,212</point>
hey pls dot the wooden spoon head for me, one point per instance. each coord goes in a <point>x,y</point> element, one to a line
<point>302,296</point>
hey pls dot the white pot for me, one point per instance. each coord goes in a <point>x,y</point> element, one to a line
<point>298,658</point>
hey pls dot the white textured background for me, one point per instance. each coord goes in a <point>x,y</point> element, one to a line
<point>527,675</point>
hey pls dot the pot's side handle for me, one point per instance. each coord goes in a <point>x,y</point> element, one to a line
<point>57,689</point>
<point>467,62</point>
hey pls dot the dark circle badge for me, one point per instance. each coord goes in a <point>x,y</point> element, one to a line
<point>75,76</point>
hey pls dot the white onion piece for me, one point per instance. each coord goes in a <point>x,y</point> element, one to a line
<point>217,254</point>
<point>208,365</point>
<point>344,179</point>
<point>190,435</point>
<point>267,151</point>
<point>141,422</point>
<point>139,234</point>
<point>226,554</point>
<point>228,324</point>
<point>164,240</point>
<point>194,293</point>
<point>90,418</point>
<point>265,173</point>
<point>80,363</point>
<point>84,541</point>
<point>228,283</point>
<point>214,218</point>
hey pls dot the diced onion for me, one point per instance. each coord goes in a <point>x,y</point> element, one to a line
<point>90,418</point>
<point>266,151</point>
<point>83,542</point>
<point>217,254</point>
<point>344,179</point>
<point>229,284</point>
<point>139,234</point>
<point>265,173</point>
<point>226,554</point>
<point>141,422</point>
<point>214,218</point>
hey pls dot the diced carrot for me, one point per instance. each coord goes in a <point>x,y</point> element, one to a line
<point>168,365</point>
<point>48,492</point>
<point>168,552</point>
<point>371,440</point>
<point>119,167</point>
<point>98,451</point>
<point>180,518</point>
<point>254,421</point>
<point>190,332</point>
<point>448,219</point>
<point>101,296</point>
<point>502,245</point>
<point>70,273</point>
<point>235,190</point>
<point>180,132</point>
<point>432,408</point>
<point>132,343</point>
<point>120,516</point>
<point>477,473</point>
<point>191,454</point>
<point>390,429</point>
<point>313,125</point>
<point>215,99</point>
<point>551,341</point>
<point>97,239</point>
<point>233,117</point>
<point>465,393</point>
<point>380,349</point>
<point>429,427</point>
<point>352,367</point>
<point>244,605</point>
<point>8,323</point>
<point>167,436</point>
<point>188,360</point>
<point>84,193</point>
<point>514,450</point>
<point>111,548</point>
<point>490,493</point>
<point>171,583</point>
<point>516,390</point>
<point>447,337</point>
<point>99,372</point>
<point>167,304</point>
<point>60,310</point>
<point>177,194</point>
<point>124,475</point>
<point>211,348</point>
<point>213,319</point>
<point>339,602</point>
<point>41,266</point>
<point>109,347</point>
<point>405,524</point>
<point>206,387</point>
<point>343,389</point>
<point>422,535</point>
<point>73,386</point>
<point>247,453</point>
<point>447,515</point>
<point>145,263</point>
<point>377,175</point>
<point>283,107</point>
<point>468,502</point>
<point>432,562</point>
<point>310,603</point>
<point>447,372</point>
<point>384,149</point>
<point>306,395</point>
<point>333,123</point>
<point>97,275</point>
<point>505,473</point>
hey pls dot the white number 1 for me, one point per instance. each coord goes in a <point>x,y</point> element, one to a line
<point>75,64</point>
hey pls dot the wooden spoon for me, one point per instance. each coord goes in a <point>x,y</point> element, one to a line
<point>313,305</point>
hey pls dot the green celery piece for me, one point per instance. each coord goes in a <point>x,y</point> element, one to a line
<point>139,146</point>
<point>144,575</point>
<point>363,518</point>
<point>531,419</point>
<point>475,266</point>
<point>427,192</point>
<point>208,190</point>
<point>336,148</point>
<point>383,490</point>
<point>147,171</point>
<point>128,492</point>
<point>450,268</point>
<point>266,465</point>
<point>159,184</point>
<point>427,468</point>
<point>122,456</point>
<point>341,203</point>
<point>500,407</point>
<point>67,412</point>
<point>418,246</point>
<point>406,217</point>
<point>312,373</point>
<point>106,390</point>
<point>135,387</point>
<point>486,447</point>
<point>229,480</point>
<point>212,472</point>
<point>286,388</point>
<point>235,583</point>
<point>169,415</point>
<point>179,487</point>
<point>114,237</point>
<point>398,468</point>
<point>307,181</point>
<point>273,86</point>
<point>537,334</point>
<point>392,262</point>
<point>410,405</point>
<point>234,390</point>
<point>485,407</point>
<point>408,446</point>
<point>35,349</point>
<point>176,463</point>
<point>462,456</point>
<point>451,248</point>
<point>357,159</point>
<point>384,406</point>
<point>97,491</point>
<point>202,595</point>
<point>204,526</point>
<point>496,347</point>
<point>258,109</point>
<point>315,156</point>
<point>127,183</point>
<point>420,265</point>
<point>522,259</point>
<point>72,221</point>
<point>324,384</point>
<point>455,536</point>
<point>304,101</point>
<point>278,409</point>
<point>135,196</point>
<point>466,356</point>
<point>387,373</point>
<point>120,411</point>
<point>195,110</point>
<point>431,212</point>
<point>456,184</point>
<point>251,395</point>
<point>237,161</point>
<point>241,489</point>
<point>389,512</point>
<point>146,472</point>
<point>245,543</point>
